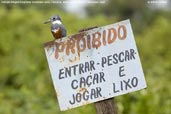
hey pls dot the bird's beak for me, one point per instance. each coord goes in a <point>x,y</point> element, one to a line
<point>48,21</point>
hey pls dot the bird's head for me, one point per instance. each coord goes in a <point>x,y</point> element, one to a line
<point>55,19</point>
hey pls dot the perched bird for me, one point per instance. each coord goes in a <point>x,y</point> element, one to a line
<point>57,29</point>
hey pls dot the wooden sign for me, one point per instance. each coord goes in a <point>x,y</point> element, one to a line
<point>95,65</point>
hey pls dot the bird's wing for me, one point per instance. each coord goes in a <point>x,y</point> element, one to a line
<point>64,32</point>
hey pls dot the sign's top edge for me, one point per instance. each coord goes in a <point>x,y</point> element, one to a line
<point>50,43</point>
<point>124,21</point>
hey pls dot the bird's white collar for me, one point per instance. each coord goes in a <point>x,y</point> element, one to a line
<point>57,22</point>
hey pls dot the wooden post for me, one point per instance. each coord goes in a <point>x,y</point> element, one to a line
<point>106,106</point>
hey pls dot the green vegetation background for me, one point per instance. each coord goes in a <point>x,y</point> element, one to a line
<point>25,81</point>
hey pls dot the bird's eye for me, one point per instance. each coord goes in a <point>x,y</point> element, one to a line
<point>53,18</point>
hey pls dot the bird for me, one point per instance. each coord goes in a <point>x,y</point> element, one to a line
<point>57,28</point>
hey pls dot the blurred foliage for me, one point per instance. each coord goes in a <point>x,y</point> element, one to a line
<point>25,81</point>
<point>137,10</point>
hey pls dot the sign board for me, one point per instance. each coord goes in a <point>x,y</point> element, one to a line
<point>95,65</point>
